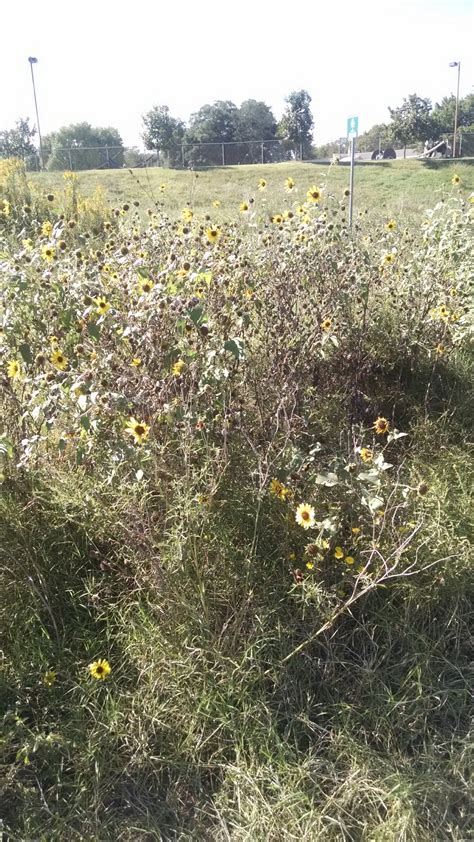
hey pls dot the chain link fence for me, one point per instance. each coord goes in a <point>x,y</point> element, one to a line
<point>202,155</point>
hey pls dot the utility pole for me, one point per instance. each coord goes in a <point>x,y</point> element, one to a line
<point>458,65</point>
<point>33,61</point>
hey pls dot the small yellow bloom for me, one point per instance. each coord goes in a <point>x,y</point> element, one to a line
<point>5,208</point>
<point>391,225</point>
<point>289,184</point>
<point>102,306</point>
<point>356,530</point>
<point>216,203</point>
<point>349,559</point>
<point>46,228</point>
<point>47,253</point>
<point>13,369</point>
<point>187,214</point>
<point>177,367</point>
<point>381,426</point>
<point>244,207</point>
<point>100,669</point>
<point>138,429</point>
<point>136,362</point>
<point>213,234</point>
<point>388,259</point>
<point>262,184</point>
<point>59,360</point>
<point>326,325</point>
<point>144,286</point>
<point>455,180</point>
<point>314,195</point>
<point>366,454</point>
<point>338,552</point>
<point>49,677</point>
<point>277,218</point>
<point>310,565</point>
<point>279,490</point>
<point>305,516</point>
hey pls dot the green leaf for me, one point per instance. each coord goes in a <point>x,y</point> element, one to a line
<point>328,480</point>
<point>93,330</point>
<point>375,503</point>
<point>25,352</point>
<point>196,314</point>
<point>235,347</point>
<point>85,422</point>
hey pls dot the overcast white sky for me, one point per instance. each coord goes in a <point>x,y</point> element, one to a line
<point>109,61</point>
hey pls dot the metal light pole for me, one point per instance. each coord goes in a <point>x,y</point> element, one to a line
<point>458,65</point>
<point>33,61</point>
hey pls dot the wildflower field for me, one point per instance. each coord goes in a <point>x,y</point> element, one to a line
<point>236,461</point>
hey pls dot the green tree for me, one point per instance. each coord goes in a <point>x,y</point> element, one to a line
<point>369,141</point>
<point>296,124</point>
<point>443,113</point>
<point>212,124</point>
<point>164,134</point>
<point>18,142</point>
<point>412,121</point>
<point>83,147</point>
<point>255,122</point>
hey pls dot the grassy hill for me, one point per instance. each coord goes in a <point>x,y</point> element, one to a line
<point>387,188</point>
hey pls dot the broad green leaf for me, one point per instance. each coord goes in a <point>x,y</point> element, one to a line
<point>25,352</point>
<point>93,330</point>
<point>235,347</point>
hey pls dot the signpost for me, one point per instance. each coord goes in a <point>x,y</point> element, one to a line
<point>352,132</point>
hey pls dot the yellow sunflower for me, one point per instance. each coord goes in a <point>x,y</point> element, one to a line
<point>262,184</point>
<point>388,258</point>
<point>100,669</point>
<point>277,218</point>
<point>289,184</point>
<point>102,305</point>
<point>47,253</point>
<point>138,429</point>
<point>244,207</point>
<point>391,225</point>
<point>314,195</point>
<point>366,454</point>
<point>338,552</point>
<point>144,286</point>
<point>187,214</point>
<point>177,367</point>
<point>349,559</point>
<point>455,179</point>
<point>305,516</point>
<point>216,203</point>
<point>59,360</point>
<point>279,490</point>
<point>381,426</point>
<point>213,234</point>
<point>326,325</point>
<point>13,369</point>
<point>136,362</point>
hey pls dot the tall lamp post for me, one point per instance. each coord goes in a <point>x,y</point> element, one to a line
<point>33,61</point>
<point>458,65</point>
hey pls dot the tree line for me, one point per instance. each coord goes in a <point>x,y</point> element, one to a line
<point>251,134</point>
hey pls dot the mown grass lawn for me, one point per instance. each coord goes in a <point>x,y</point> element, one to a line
<point>387,188</point>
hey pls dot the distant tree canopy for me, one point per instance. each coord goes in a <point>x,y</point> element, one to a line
<point>163,134</point>
<point>296,125</point>
<point>18,142</point>
<point>73,147</point>
<point>443,113</point>
<point>412,121</point>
